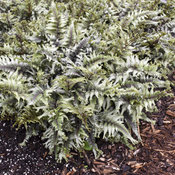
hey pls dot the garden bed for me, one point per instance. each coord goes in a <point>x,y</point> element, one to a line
<point>76,73</point>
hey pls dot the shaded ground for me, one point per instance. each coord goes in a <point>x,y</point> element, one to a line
<point>154,156</point>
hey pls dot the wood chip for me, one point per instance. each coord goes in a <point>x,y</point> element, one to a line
<point>98,163</point>
<point>69,173</point>
<point>136,152</point>
<point>139,165</point>
<point>146,129</point>
<point>102,159</point>
<point>170,113</point>
<point>45,154</point>
<point>93,170</point>
<point>97,170</point>
<point>157,131</point>
<point>86,158</point>
<point>64,172</point>
<point>159,150</point>
<point>74,169</point>
<point>166,122</point>
<point>114,164</point>
<point>107,171</point>
<point>171,106</point>
<point>109,146</point>
<point>152,126</point>
<point>136,165</point>
<point>132,163</point>
<point>75,154</point>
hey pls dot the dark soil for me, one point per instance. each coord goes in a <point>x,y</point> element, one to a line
<point>154,156</point>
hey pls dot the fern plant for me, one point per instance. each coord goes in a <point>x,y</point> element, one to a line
<point>75,71</point>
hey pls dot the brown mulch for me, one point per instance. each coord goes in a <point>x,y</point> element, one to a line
<point>154,156</point>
